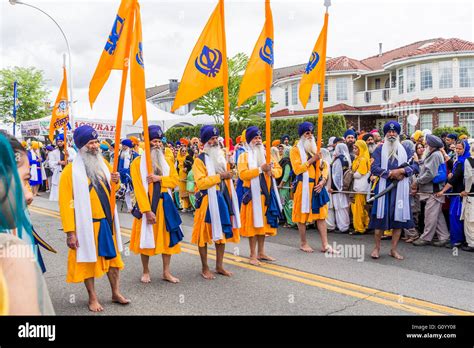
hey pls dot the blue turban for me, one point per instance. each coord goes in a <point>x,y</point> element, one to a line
<point>84,134</point>
<point>178,143</point>
<point>104,147</point>
<point>392,125</point>
<point>127,142</point>
<point>251,132</point>
<point>207,132</point>
<point>60,137</point>
<point>155,132</point>
<point>452,136</point>
<point>349,132</point>
<point>49,148</point>
<point>284,137</point>
<point>305,127</point>
<point>164,140</point>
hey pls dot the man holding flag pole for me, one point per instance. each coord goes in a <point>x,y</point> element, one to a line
<point>261,205</point>
<point>311,197</point>
<point>207,69</point>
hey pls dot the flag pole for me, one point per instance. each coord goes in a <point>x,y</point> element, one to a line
<point>15,97</point>
<point>268,78</point>
<point>322,87</point>
<point>225,76</point>
<point>66,154</point>
<point>118,124</point>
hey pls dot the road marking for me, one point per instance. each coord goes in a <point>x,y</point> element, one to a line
<point>400,302</point>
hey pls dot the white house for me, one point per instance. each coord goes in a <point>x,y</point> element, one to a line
<point>432,78</point>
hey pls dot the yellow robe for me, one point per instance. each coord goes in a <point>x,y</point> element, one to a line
<point>360,165</point>
<point>202,231</point>
<point>300,168</point>
<point>79,271</point>
<point>183,193</point>
<point>162,236</point>
<point>246,211</point>
<point>4,301</point>
<point>169,155</point>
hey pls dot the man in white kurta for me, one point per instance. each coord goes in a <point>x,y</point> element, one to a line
<point>57,161</point>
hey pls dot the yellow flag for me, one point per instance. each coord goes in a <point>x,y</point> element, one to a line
<point>113,56</point>
<point>137,70</point>
<point>316,67</point>
<point>60,116</point>
<point>203,71</point>
<point>254,79</point>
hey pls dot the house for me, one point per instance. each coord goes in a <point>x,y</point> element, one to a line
<point>433,79</point>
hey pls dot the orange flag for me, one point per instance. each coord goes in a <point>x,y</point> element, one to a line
<point>255,79</point>
<point>316,67</point>
<point>137,70</point>
<point>203,71</point>
<point>113,56</point>
<point>60,116</point>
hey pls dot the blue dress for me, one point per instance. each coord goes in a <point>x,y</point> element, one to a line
<point>38,165</point>
<point>388,221</point>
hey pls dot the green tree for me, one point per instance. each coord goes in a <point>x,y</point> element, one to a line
<point>32,94</point>
<point>212,103</point>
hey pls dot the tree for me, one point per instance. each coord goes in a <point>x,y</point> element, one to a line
<point>32,94</point>
<point>212,103</point>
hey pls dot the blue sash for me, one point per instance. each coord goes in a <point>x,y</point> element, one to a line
<point>224,215</point>
<point>273,212</point>
<point>172,220</point>
<point>106,245</point>
<point>319,200</point>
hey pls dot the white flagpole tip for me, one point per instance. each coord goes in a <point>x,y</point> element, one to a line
<point>327,3</point>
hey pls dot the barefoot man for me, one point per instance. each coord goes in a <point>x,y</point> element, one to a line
<point>154,231</point>
<point>93,232</point>
<point>261,204</point>
<point>310,199</point>
<point>217,217</point>
<point>392,211</point>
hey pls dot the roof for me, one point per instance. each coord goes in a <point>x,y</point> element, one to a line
<point>344,107</point>
<point>152,91</point>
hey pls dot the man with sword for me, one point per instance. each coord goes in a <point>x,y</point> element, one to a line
<point>391,210</point>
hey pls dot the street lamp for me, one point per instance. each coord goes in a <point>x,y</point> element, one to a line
<point>71,118</point>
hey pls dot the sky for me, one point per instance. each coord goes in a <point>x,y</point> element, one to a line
<point>171,28</point>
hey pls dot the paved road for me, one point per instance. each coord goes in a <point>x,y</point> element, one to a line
<point>429,281</point>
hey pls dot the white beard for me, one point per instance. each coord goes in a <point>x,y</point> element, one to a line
<point>259,154</point>
<point>309,145</point>
<point>217,157</point>
<point>392,148</point>
<point>372,147</point>
<point>125,153</point>
<point>157,158</point>
<point>92,163</point>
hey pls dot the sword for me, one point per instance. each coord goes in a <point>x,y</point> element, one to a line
<point>388,188</point>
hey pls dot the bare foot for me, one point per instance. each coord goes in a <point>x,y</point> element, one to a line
<point>168,277</point>
<point>145,278</point>
<point>396,255</point>
<point>207,274</point>
<point>254,261</point>
<point>223,272</point>
<point>375,254</point>
<point>120,299</point>
<point>306,248</point>
<point>95,306</point>
<point>328,249</point>
<point>263,257</point>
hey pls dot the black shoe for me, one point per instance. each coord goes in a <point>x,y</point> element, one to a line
<point>467,248</point>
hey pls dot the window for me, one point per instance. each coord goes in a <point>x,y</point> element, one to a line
<point>411,129</point>
<point>325,90</point>
<point>341,88</point>
<point>377,83</point>
<point>466,119</point>
<point>287,99</point>
<point>426,121</point>
<point>445,119</point>
<point>445,74</point>
<point>294,94</point>
<point>466,72</point>
<point>411,79</point>
<point>260,98</point>
<point>426,77</point>
<point>400,81</point>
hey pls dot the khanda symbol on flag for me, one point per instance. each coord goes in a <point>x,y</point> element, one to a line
<point>266,52</point>
<point>60,116</point>
<point>114,36</point>
<point>313,61</point>
<point>209,61</point>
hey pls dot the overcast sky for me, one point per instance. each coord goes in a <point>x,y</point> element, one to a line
<point>171,28</point>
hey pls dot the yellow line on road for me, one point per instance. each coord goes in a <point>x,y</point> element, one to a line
<point>381,297</point>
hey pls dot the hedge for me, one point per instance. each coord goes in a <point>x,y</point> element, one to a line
<point>458,130</point>
<point>334,125</point>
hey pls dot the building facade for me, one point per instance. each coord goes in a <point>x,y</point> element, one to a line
<point>433,79</point>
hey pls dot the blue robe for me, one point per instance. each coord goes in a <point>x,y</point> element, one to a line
<point>388,222</point>
<point>38,164</point>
